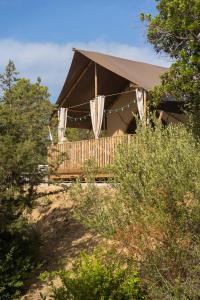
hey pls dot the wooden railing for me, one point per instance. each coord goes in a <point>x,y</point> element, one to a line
<point>102,151</point>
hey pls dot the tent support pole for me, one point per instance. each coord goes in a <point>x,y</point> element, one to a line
<point>95,81</point>
<point>145,108</point>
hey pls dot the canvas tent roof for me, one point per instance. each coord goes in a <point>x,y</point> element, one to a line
<point>114,75</point>
<point>141,74</point>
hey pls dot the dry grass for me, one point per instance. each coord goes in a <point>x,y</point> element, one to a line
<point>62,237</point>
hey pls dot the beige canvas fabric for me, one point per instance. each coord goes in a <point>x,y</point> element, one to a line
<point>114,76</point>
<point>141,74</point>
<point>62,122</point>
<point>140,102</point>
<point>97,111</point>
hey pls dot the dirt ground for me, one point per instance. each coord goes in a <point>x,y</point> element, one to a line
<point>62,237</point>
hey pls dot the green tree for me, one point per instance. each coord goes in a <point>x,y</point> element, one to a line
<point>9,77</point>
<point>175,30</point>
<point>24,113</point>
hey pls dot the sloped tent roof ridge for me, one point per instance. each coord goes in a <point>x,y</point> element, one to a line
<point>142,74</point>
<point>125,68</point>
<point>110,64</point>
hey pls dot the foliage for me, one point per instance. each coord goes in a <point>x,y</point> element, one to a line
<point>92,204</point>
<point>175,30</point>
<point>24,114</point>
<point>98,276</point>
<point>18,255</point>
<point>159,176</point>
<point>75,134</point>
<point>176,27</point>
<point>9,77</point>
<point>154,209</point>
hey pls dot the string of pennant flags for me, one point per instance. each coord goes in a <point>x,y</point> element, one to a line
<point>106,111</point>
<point>79,119</point>
<point>109,111</point>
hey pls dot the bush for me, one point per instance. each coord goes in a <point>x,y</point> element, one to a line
<point>23,148</point>
<point>98,276</point>
<point>155,209</point>
<point>92,204</point>
<point>18,250</point>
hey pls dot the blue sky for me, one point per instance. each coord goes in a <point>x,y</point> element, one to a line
<point>39,34</point>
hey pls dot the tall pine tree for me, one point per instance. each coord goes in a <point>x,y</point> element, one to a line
<point>24,114</point>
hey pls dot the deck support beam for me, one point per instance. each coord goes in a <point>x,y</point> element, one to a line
<point>145,107</point>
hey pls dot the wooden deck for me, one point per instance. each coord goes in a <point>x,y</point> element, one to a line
<point>102,151</point>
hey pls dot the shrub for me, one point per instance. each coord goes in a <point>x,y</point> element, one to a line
<point>155,209</point>
<point>92,204</point>
<point>99,276</point>
<point>159,188</point>
<point>18,252</point>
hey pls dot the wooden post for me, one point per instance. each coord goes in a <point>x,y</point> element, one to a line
<point>95,81</point>
<point>161,116</point>
<point>104,124</point>
<point>95,87</point>
<point>145,108</point>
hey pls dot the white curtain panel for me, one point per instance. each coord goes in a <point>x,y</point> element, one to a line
<point>50,135</point>
<point>140,102</point>
<point>97,111</point>
<point>93,114</point>
<point>62,122</point>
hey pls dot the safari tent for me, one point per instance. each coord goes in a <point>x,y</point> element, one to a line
<point>103,93</point>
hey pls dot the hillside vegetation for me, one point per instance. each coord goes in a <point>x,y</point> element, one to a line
<point>146,222</point>
<point>153,209</point>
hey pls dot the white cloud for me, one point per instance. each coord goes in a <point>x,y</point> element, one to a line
<point>51,61</point>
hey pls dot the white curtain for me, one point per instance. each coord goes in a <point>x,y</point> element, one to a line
<point>50,135</point>
<point>140,101</point>
<point>62,122</point>
<point>97,110</point>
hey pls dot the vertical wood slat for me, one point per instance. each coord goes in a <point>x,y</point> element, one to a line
<point>102,151</point>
